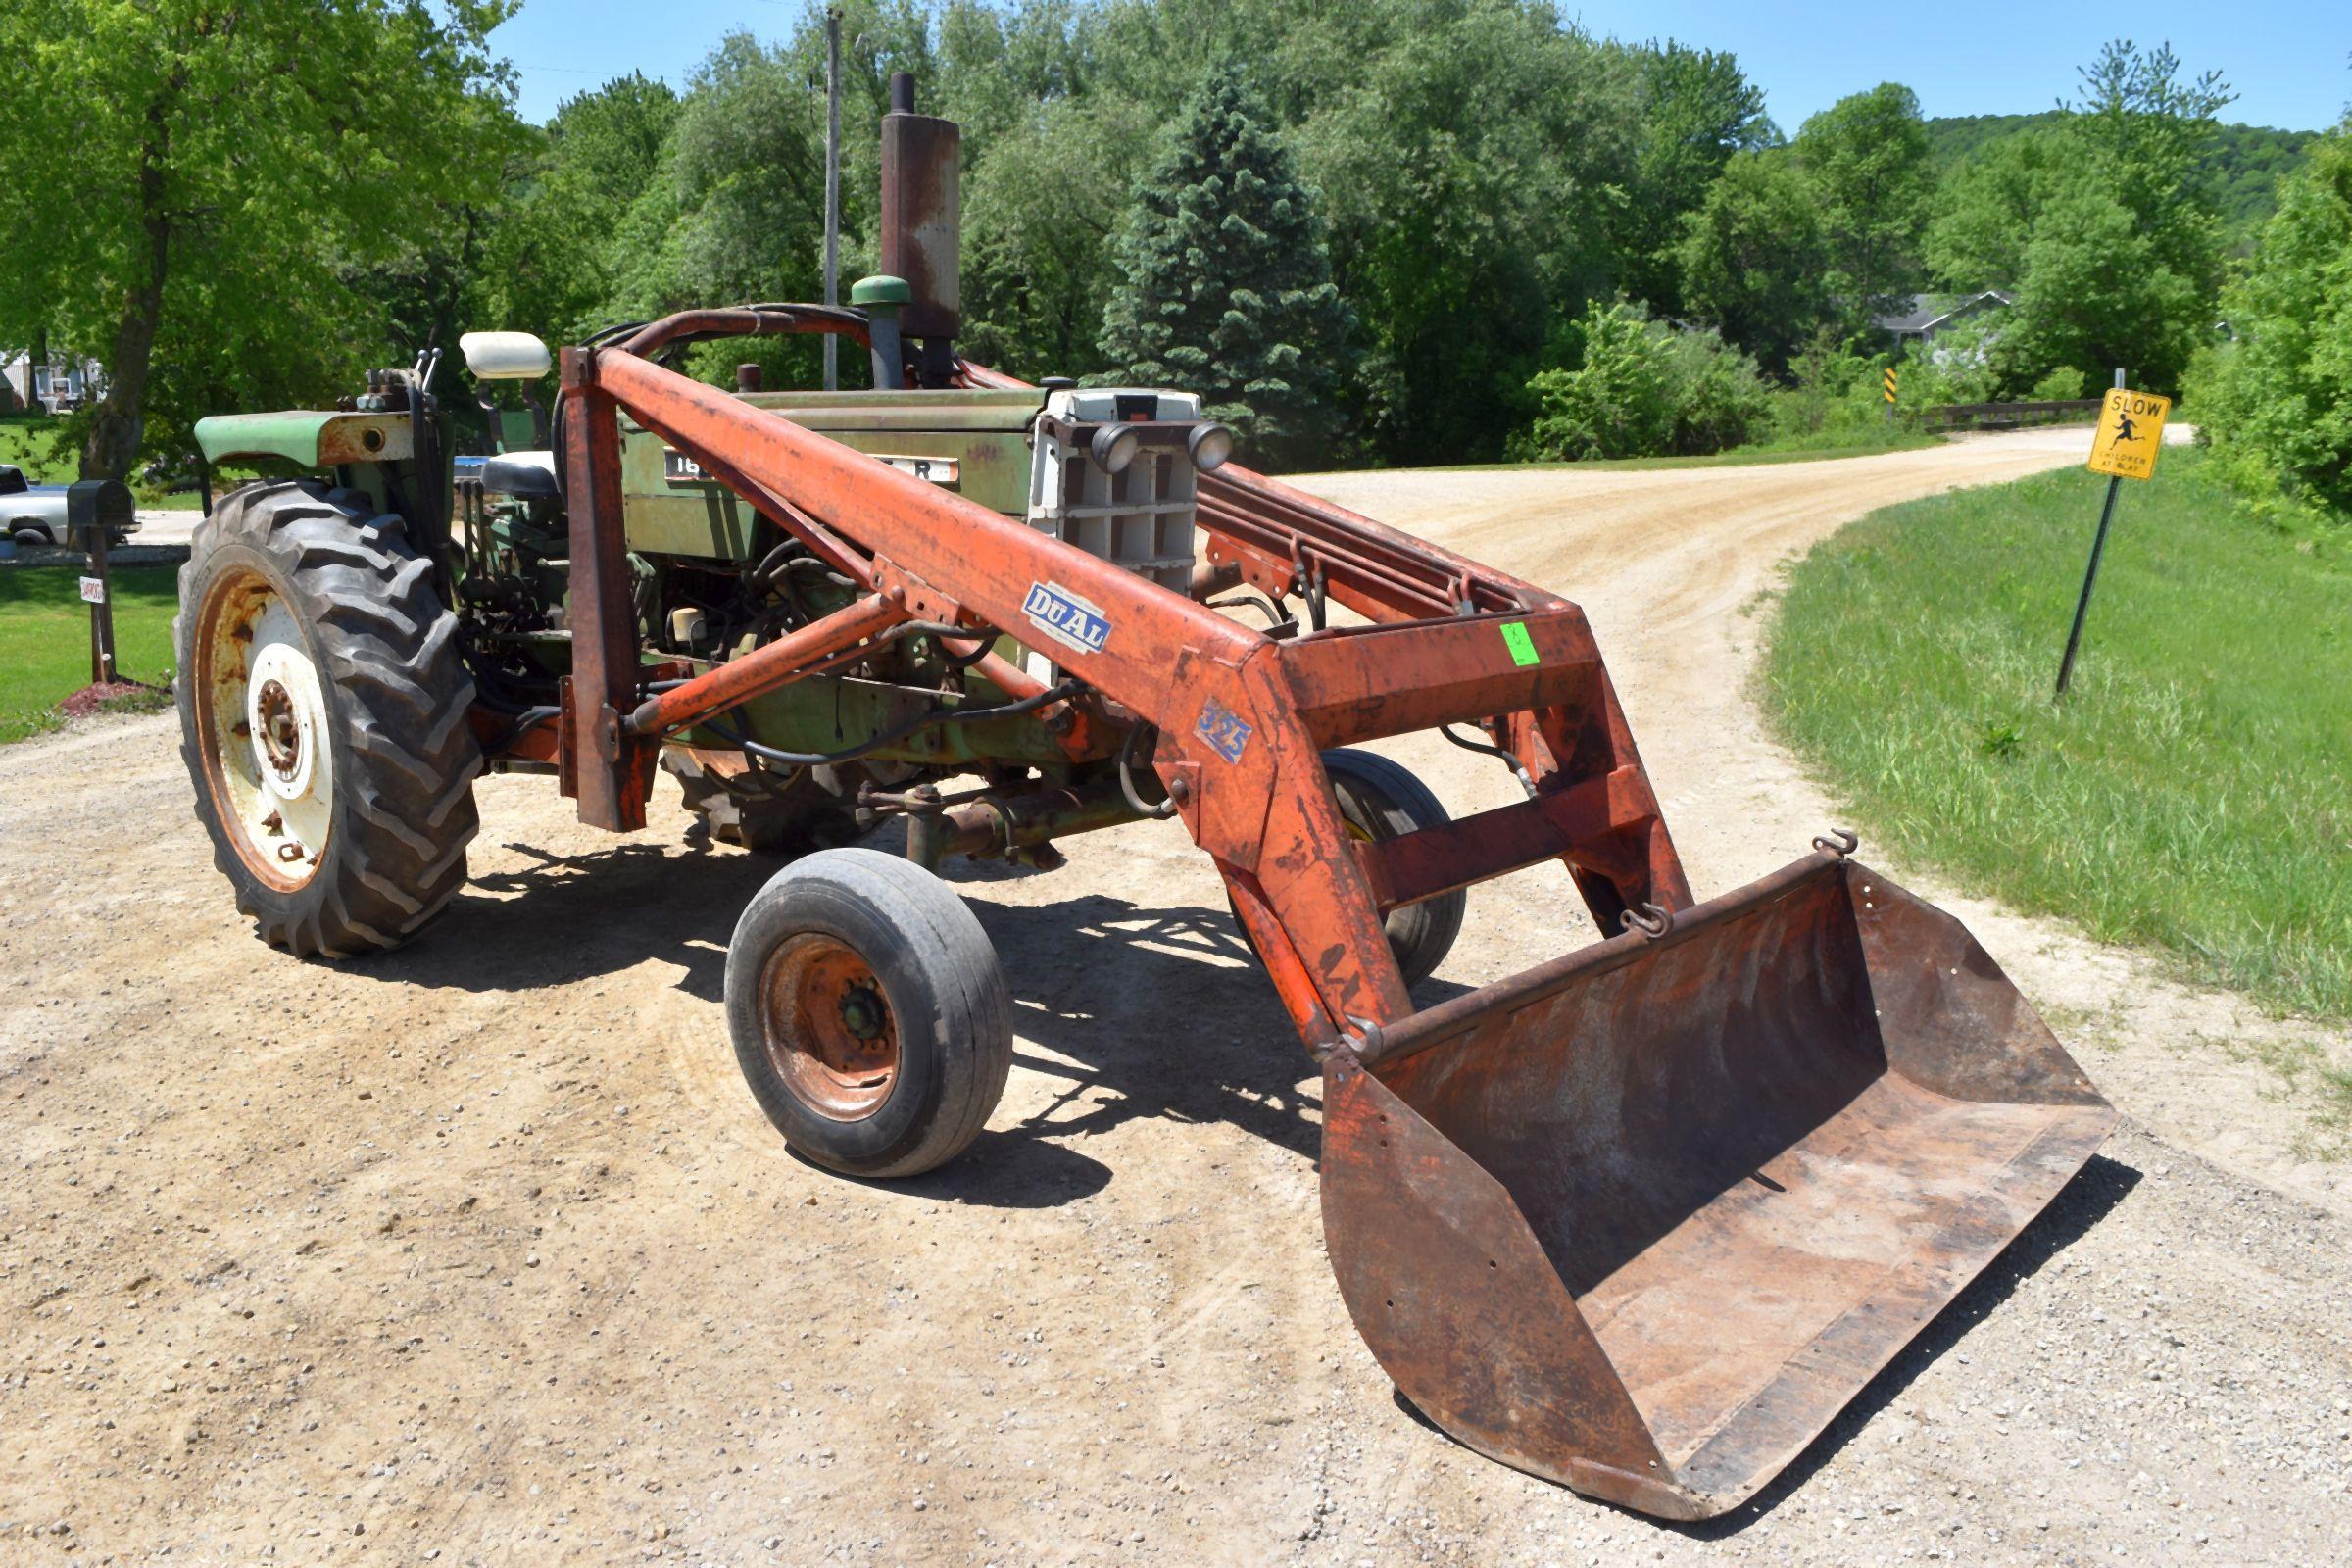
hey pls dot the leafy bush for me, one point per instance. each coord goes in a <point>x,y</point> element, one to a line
<point>1833,396</point>
<point>2277,405</point>
<point>2065,384</point>
<point>1641,390</point>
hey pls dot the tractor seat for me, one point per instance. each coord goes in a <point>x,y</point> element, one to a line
<point>529,474</point>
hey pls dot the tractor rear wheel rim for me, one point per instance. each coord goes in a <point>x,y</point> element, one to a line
<point>263,726</point>
<point>830,1034</point>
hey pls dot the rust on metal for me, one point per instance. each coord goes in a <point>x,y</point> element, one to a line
<point>992,824</point>
<point>830,1033</point>
<point>744,320</point>
<point>1718,1177</point>
<point>364,438</point>
<point>611,772</point>
<point>922,163</point>
<point>765,668</point>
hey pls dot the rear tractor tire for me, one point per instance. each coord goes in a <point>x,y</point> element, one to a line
<point>323,718</point>
<point>1383,799</point>
<point>868,1013</point>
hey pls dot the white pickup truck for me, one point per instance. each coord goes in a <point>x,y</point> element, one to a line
<point>33,513</point>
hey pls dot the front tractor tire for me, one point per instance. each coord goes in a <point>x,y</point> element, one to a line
<point>323,718</point>
<point>869,1014</point>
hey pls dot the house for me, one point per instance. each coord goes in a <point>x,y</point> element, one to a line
<point>1929,314</point>
<point>66,385</point>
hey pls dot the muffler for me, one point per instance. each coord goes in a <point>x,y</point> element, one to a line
<point>1644,1219</point>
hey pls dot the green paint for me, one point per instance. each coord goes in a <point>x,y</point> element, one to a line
<point>1521,645</point>
<point>881,289</point>
<point>300,437</point>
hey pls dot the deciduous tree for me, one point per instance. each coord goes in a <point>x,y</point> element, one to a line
<point>1866,158</point>
<point>1698,111</point>
<point>1752,258</point>
<point>2278,403</point>
<point>206,181</point>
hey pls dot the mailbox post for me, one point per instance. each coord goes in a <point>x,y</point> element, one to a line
<point>95,510</point>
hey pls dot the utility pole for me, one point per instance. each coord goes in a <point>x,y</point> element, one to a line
<point>832,188</point>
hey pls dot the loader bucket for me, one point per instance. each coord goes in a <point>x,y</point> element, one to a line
<point>1644,1218</point>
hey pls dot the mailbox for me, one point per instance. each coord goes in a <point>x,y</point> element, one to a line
<point>97,504</point>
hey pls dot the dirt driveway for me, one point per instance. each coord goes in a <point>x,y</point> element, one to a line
<point>479,1252</point>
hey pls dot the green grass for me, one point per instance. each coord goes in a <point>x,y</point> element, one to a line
<point>45,639</point>
<point>2190,794</point>
<point>25,444</point>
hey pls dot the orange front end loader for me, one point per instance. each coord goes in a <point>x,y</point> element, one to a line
<point>1640,1219</point>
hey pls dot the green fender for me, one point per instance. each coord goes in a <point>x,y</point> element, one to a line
<point>309,439</point>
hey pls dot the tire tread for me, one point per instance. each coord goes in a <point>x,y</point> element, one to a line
<point>388,650</point>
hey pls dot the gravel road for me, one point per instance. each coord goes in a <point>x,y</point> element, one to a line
<point>481,1253</point>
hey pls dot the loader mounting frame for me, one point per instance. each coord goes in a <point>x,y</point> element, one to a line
<point>1242,717</point>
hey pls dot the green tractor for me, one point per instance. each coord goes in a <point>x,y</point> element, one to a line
<point>361,640</point>
<point>369,634</point>
<point>1640,1218</point>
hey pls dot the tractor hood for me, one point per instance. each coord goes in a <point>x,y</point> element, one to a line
<point>311,440</point>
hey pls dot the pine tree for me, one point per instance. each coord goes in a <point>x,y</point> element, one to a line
<point>1226,286</point>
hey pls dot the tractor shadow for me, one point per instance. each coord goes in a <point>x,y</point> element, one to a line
<point>564,917</point>
<point>1155,1013</point>
<point>1133,1011</point>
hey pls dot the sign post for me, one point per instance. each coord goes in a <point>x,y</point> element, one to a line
<point>1889,384</point>
<point>2131,433</point>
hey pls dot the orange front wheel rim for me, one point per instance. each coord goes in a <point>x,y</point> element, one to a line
<point>830,1034</point>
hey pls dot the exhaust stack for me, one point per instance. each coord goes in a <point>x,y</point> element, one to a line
<point>922,165</point>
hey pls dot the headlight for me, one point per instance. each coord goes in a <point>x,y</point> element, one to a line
<point>1211,445</point>
<point>1114,447</point>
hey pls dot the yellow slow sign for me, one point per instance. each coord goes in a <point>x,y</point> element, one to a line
<point>2130,431</point>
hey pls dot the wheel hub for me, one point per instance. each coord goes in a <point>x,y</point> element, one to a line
<point>830,1034</point>
<point>277,730</point>
<point>265,720</point>
<point>863,1012</point>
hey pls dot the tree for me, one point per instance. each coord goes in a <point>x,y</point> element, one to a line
<point>1043,210</point>
<point>1752,258</point>
<point>2277,404</point>
<point>1866,157</point>
<point>1473,170</point>
<point>1698,112</point>
<point>1988,207</point>
<point>212,179</point>
<point>2101,223</point>
<point>554,260</point>
<point>1225,285</point>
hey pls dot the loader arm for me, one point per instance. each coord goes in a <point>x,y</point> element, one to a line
<point>1241,716</point>
<point>1642,1218</point>
<point>1591,801</point>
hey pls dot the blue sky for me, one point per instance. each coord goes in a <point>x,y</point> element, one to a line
<point>2286,58</point>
